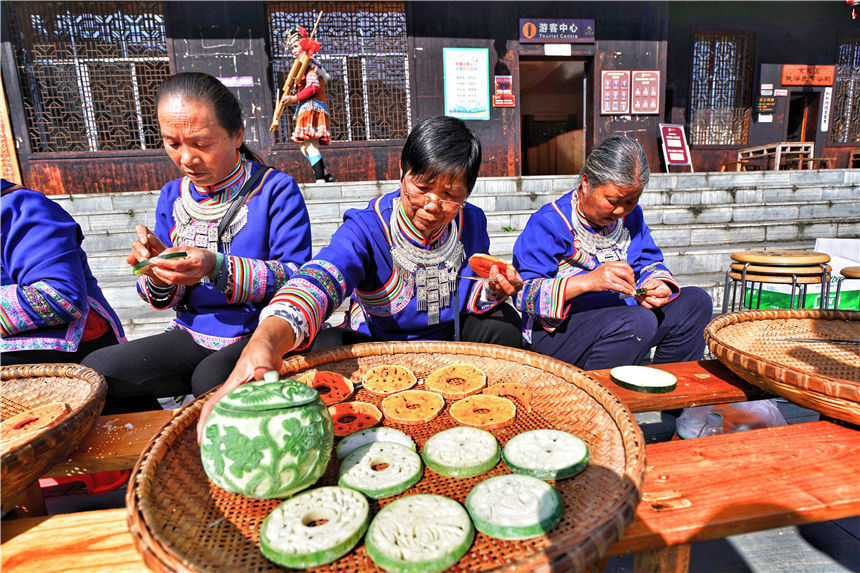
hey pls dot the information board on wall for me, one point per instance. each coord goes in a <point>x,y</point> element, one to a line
<point>466,79</point>
<point>614,92</point>
<point>675,149</point>
<point>645,92</point>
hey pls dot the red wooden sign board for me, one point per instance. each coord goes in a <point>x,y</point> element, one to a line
<point>675,149</point>
<point>793,75</point>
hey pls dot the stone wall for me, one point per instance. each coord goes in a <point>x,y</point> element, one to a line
<point>697,219</point>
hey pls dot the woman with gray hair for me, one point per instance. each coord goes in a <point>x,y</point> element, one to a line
<point>596,292</point>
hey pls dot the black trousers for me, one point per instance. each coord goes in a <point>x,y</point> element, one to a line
<point>502,326</point>
<point>165,364</point>
<point>55,356</point>
<point>617,335</point>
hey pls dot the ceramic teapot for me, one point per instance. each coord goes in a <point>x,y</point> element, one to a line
<point>267,439</point>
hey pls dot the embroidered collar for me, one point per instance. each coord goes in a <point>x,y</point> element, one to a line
<point>224,190</point>
<point>414,236</point>
<point>8,186</point>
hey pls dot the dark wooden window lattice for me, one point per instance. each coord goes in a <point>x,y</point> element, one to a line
<point>364,50</point>
<point>721,88</point>
<point>89,72</point>
<point>845,111</point>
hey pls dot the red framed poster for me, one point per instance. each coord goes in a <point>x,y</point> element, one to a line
<point>645,92</point>
<point>614,92</point>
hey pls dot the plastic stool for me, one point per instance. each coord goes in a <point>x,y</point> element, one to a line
<point>97,483</point>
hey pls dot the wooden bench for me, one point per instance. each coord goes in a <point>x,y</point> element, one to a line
<point>701,383</point>
<point>694,490</point>
<point>114,443</point>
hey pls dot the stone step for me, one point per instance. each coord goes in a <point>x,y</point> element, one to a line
<point>112,231</point>
<point>677,188</point>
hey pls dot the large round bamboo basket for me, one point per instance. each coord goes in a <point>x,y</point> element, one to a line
<point>29,386</point>
<point>787,352</point>
<point>181,522</point>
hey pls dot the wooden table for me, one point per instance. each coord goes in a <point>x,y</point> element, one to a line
<point>694,490</point>
<point>795,150</point>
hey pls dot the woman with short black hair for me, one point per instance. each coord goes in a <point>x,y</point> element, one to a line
<point>402,260</point>
<point>597,293</point>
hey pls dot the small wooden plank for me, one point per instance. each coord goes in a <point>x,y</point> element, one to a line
<point>92,541</point>
<point>699,384</point>
<point>711,488</point>
<point>115,443</point>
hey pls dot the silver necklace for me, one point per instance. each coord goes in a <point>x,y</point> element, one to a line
<point>611,247</point>
<point>429,275</point>
<point>197,224</point>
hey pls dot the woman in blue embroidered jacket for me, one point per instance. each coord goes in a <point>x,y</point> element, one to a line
<point>401,259</point>
<point>220,287</point>
<point>597,293</point>
<point>52,307</point>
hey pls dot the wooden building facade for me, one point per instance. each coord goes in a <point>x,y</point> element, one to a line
<point>80,80</point>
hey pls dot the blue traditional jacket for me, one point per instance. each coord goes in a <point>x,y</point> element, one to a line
<point>548,253</point>
<point>47,288</point>
<point>271,241</point>
<point>357,263</point>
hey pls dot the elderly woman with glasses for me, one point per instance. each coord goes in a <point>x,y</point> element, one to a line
<point>402,260</point>
<point>597,293</point>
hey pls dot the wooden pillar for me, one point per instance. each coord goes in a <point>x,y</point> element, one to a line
<point>9,168</point>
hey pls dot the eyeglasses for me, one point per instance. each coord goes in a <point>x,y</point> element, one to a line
<point>422,199</point>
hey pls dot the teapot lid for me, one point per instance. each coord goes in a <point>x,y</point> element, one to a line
<point>270,393</point>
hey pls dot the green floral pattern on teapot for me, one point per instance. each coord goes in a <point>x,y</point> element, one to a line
<point>267,439</point>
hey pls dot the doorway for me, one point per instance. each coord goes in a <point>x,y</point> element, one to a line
<point>802,122</point>
<point>553,104</point>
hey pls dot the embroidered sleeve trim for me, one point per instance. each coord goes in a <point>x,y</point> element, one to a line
<point>278,270</point>
<point>247,281</point>
<point>483,299</point>
<point>13,317</point>
<point>543,300</point>
<point>293,315</point>
<point>308,299</point>
<point>158,297</point>
<point>327,276</point>
<point>661,272</point>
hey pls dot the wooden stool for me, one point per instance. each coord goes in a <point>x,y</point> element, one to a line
<point>795,267</point>
<point>845,273</point>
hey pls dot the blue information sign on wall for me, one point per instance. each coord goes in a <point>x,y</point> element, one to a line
<point>556,30</point>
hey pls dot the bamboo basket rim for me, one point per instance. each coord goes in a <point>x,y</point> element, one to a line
<point>814,390</point>
<point>29,460</point>
<point>730,318</point>
<point>161,557</point>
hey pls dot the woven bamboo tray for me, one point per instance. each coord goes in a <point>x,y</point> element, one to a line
<point>31,385</point>
<point>181,522</point>
<point>760,347</point>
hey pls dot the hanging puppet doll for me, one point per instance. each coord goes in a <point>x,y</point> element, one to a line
<point>312,114</point>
